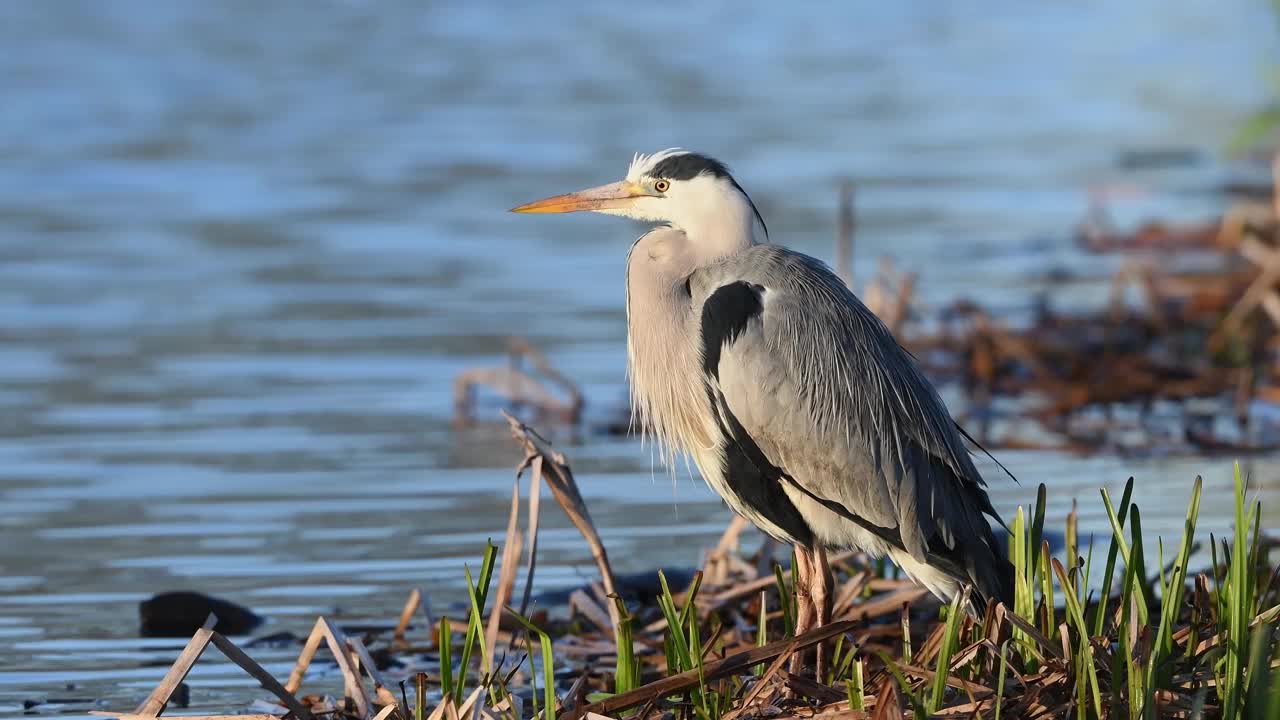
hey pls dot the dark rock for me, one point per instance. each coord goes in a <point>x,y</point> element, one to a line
<point>180,614</point>
<point>639,589</point>
<point>181,697</point>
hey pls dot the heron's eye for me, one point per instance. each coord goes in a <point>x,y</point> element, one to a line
<point>661,186</point>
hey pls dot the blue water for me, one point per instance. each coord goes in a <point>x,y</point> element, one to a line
<point>246,248</point>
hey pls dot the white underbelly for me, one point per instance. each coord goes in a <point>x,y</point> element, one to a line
<point>832,530</point>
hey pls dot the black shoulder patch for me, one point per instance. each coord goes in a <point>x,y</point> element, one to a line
<point>725,315</point>
<point>755,480</point>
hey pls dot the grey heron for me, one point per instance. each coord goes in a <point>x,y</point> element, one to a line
<point>795,402</point>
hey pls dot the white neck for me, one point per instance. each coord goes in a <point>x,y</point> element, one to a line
<point>715,216</point>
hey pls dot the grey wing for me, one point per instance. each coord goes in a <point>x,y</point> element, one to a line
<point>840,408</point>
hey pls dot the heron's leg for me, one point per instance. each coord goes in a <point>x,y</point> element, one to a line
<point>804,603</point>
<point>822,581</point>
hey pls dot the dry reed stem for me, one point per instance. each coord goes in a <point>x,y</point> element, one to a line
<point>514,385</point>
<point>246,663</point>
<point>380,690</point>
<point>519,387</point>
<point>471,701</point>
<point>581,602</point>
<point>535,513</point>
<point>324,631</point>
<point>886,603</point>
<point>559,478</point>
<point>719,563</point>
<point>737,662</point>
<point>406,614</point>
<point>155,702</point>
<point>974,689</point>
<point>439,712</point>
<point>507,576</point>
<point>303,662</point>
<point>1258,293</point>
<point>888,704</point>
<point>761,683</point>
<point>340,647</point>
<point>203,637</point>
<point>811,689</point>
<point>522,348</point>
<point>575,691</point>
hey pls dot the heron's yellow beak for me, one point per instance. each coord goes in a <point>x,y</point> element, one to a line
<point>606,197</point>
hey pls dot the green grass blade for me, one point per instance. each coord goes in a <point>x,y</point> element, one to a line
<point>762,629</point>
<point>1129,669</point>
<point>1004,671</point>
<point>1171,601</point>
<point>1037,530</point>
<point>1122,546</point>
<point>1075,616</point>
<point>1139,578</point>
<point>1083,595</point>
<point>533,672</point>
<point>950,641</point>
<point>839,659</point>
<point>477,593</point>
<point>548,664</point>
<point>785,601</point>
<point>626,674</point>
<point>689,620</point>
<point>1258,673</point>
<point>675,626</point>
<point>1164,587</point>
<point>1104,596</point>
<point>1237,623</point>
<point>446,657</point>
<point>475,626</point>
<point>1272,709</point>
<point>1073,536</point>
<point>1046,589</point>
<point>1023,598</point>
<point>690,596</point>
<point>469,641</point>
<point>683,650</point>
<point>857,696</point>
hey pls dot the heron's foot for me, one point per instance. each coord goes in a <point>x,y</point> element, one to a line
<point>820,594</point>
<point>804,604</point>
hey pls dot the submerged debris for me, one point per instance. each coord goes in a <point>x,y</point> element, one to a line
<point>1147,378</point>
<point>545,391</point>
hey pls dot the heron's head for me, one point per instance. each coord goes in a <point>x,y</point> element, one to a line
<point>688,190</point>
